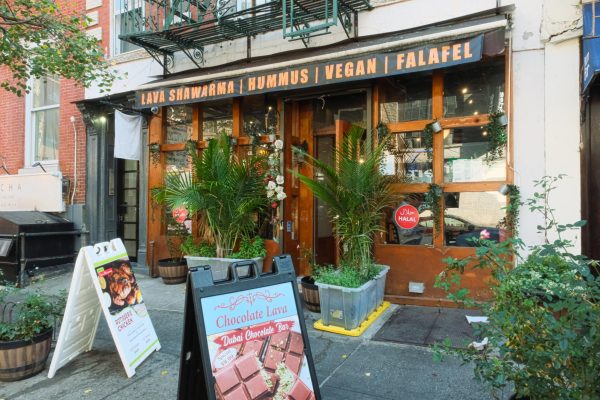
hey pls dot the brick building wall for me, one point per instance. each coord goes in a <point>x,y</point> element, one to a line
<point>13,116</point>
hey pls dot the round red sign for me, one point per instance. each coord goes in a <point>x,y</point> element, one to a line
<point>407,216</point>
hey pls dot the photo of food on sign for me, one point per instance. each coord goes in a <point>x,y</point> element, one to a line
<point>119,286</point>
<point>263,361</point>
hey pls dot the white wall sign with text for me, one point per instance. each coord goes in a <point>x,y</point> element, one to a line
<point>31,192</point>
<point>103,272</point>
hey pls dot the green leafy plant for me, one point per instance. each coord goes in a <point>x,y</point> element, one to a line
<point>41,38</point>
<point>496,132</point>
<point>356,192</point>
<point>427,136</point>
<point>544,318</point>
<point>251,248</point>
<point>225,191</point>
<point>511,220</point>
<point>202,249</point>
<point>433,202</point>
<point>32,312</point>
<point>345,275</point>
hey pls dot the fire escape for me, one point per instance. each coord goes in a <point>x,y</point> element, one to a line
<point>164,27</point>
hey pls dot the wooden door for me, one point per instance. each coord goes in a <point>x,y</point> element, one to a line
<point>298,213</point>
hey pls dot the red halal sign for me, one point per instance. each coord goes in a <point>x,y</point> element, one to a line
<point>407,216</point>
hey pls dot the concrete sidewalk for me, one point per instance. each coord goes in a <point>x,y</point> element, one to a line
<point>347,368</point>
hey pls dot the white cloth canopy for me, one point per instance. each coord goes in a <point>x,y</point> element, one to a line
<point>128,136</point>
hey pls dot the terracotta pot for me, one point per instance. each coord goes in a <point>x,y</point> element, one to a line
<point>20,359</point>
<point>172,270</point>
<point>310,294</point>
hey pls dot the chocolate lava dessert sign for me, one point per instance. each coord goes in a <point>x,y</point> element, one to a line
<point>255,344</point>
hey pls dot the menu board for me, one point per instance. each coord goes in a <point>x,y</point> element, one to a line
<point>103,272</point>
<point>246,338</point>
<point>256,346</point>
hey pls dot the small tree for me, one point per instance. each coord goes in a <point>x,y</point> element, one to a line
<point>40,38</point>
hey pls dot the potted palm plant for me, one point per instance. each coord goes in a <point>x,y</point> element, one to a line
<point>356,192</point>
<point>26,324</point>
<point>226,192</point>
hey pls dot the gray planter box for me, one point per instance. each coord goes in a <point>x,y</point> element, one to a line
<point>380,284</point>
<point>219,266</point>
<point>349,307</point>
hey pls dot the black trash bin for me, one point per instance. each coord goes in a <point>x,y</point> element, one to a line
<point>33,239</point>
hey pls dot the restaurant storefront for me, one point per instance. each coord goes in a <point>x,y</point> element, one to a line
<point>393,86</point>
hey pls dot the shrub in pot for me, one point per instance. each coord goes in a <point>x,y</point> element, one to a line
<point>225,191</point>
<point>26,326</point>
<point>310,291</point>
<point>356,192</point>
<point>544,318</point>
<point>173,270</point>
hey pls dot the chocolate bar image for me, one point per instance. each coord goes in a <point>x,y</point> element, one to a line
<point>300,392</point>
<point>243,380</point>
<point>286,347</point>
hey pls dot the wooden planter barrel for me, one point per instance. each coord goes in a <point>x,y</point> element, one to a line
<point>20,359</point>
<point>310,294</point>
<point>172,271</point>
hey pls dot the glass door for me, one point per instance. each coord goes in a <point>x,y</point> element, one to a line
<point>127,200</point>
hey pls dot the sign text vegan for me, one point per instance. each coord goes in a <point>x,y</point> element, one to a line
<point>359,68</point>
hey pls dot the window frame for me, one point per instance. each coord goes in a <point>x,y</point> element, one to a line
<point>30,124</point>
<point>437,105</point>
<point>115,42</point>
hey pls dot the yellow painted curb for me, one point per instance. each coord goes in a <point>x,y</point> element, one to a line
<point>356,331</point>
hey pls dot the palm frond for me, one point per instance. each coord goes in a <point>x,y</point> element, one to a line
<point>228,192</point>
<point>356,192</point>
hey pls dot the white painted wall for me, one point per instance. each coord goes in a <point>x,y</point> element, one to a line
<point>546,64</point>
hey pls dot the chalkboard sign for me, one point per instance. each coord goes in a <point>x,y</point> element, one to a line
<point>245,337</point>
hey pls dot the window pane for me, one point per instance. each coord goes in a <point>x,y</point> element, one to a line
<point>467,157</point>
<point>350,107</point>
<point>128,19</point>
<point>406,99</point>
<point>260,116</point>
<point>421,234</point>
<point>407,159</point>
<point>45,131</point>
<point>179,124</point>
<point>217,118</point>
<point>46,91</point>
<point>468,213</point>
<point>177,161</point>
<point>474,91</point>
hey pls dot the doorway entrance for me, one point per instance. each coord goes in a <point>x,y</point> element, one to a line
<point>127,205</point>
<point>315,125</point>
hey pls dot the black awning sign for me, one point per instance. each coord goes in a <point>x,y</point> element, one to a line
<point>252,338</point>
<point>367,66</point>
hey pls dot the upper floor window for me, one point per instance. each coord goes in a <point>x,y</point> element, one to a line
<point>128,18</point>
<point>44,104</point>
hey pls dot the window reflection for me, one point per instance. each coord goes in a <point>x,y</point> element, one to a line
<point>466,156</point>
<point>260,115</point>
<point>179,124</point>
<point>467,214</point>
<point>474,91</point>
<point>405,99</point>
<point>217,118</point>
<point>351,107</point>
<point>177,161</point>
<point>407,159</point>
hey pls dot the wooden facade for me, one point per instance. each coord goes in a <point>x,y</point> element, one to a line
<point>296,126</point>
